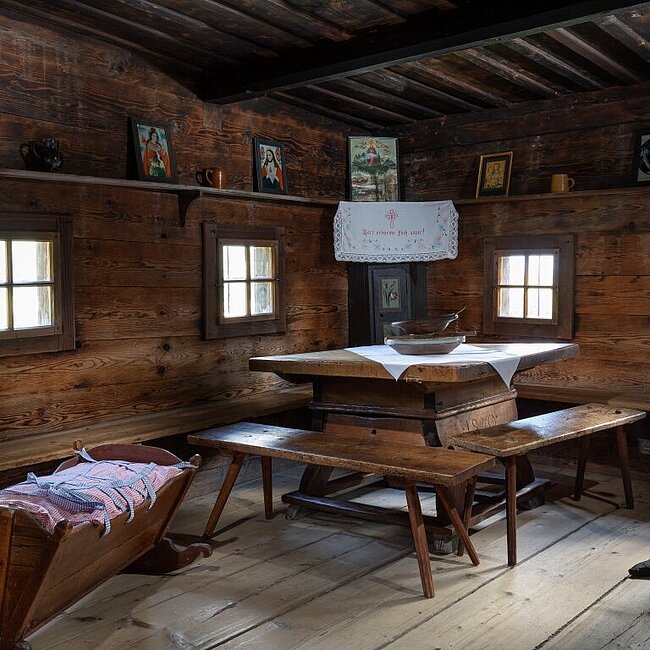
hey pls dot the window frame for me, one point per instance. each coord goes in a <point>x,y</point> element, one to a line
<point>215,325</point>
<point>61,334</point>
<point>274,279</point>
<point>561,326</point>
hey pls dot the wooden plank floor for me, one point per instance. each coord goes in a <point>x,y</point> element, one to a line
<point>331,582</point>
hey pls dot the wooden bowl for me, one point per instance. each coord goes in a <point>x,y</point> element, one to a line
<point>429,325</point>
<point>423,344</point>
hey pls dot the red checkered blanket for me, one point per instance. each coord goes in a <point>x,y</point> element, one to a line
<point>96,491</point>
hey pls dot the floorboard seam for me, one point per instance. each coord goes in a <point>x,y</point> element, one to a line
<point>309,598</point>
<point>487,582</point>
<point>580,613</point>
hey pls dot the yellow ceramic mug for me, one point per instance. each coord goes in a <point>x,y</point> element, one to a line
<point>561,183</point>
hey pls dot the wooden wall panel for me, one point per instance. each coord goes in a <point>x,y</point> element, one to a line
<point>84,91</point>
<point>592,139</point>
<point>137,272</point>
<point>590,136</point>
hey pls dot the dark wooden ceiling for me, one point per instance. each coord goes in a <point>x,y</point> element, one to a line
<point>373,63</point>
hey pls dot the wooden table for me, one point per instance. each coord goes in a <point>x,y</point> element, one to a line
<point>356,396</point>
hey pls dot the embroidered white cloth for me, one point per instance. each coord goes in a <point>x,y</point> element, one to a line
<point>505,363</point>
<point>401,231</point>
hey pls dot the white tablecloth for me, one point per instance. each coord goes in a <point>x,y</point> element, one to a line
<point>505,363</point>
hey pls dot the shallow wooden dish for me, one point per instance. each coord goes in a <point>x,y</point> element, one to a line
<point>424,343</point>
<point>429,325</point>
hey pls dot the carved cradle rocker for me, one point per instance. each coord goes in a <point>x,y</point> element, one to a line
<point>43,573</point>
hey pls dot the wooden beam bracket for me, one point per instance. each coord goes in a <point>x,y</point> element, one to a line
<point>185,200</point>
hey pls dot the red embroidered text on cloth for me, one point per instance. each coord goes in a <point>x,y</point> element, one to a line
<point>48,512</point>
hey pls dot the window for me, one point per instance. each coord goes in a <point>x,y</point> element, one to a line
<point>36,293</point>
<point>529,286</point>
<point>243,272</point>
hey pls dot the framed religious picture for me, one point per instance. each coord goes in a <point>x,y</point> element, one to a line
<point>153,153</point>
<point>494,174</point>
<point>642,158</point>
<point>391,294</point>
<point>373,168</point>
<point>270,170</point>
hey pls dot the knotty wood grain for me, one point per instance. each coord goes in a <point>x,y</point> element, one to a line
<point>137,272</point>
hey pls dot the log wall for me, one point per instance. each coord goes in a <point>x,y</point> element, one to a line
<point>592,138</point>
<point>137,272</point>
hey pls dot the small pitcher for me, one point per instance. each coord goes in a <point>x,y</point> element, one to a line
<point>42,155</point>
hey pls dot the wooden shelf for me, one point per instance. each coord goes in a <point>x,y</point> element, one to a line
<point>187,194</point>
<point>552,195</point>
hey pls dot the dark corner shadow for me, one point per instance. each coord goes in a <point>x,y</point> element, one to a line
<point>603,498</point>
<point>562,486</point>
<point>564,490</point>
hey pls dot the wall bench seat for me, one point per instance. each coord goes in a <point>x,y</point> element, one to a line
<point>408,465</point>
<point>26,450</point>
<point>571,394</point>
<point>507,441</point>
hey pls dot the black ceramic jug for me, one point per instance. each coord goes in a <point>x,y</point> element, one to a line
<point>42,155</point>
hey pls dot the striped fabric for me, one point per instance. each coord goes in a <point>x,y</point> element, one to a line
<point>94,491</point>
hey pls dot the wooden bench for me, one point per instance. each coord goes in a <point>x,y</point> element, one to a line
<point>442,468</point>
<point>635,398</point>
<point>25,450</point>
<point>507,441</point>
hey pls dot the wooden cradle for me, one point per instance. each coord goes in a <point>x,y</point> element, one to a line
<point>41,573</point>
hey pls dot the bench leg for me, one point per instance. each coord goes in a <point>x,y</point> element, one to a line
<point>444,497</point>
<point>470,487</point>
<point>267,485</point>
<point>624,461</point>
<point>419,538</point>
<point>582,465</point>
<point>224,493</point>
<point>511,508</point>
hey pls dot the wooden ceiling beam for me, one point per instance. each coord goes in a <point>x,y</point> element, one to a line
<point>508,70</point>
<point>363,104</point>
<point>327,28</point>
<point>554,63</point>
<point>433,69</point>
<point>249,21</point>
<point>409,7</point>
<point>381,93</point>
<point>71,24</point>
<point>166,17</point>
<point>426,34</point>
<point>319,109</point>
<point>386,8</point>
<point>104,21</point>
<point>591,53</point>
<point>430,91</point>
<point>626,35</point>
<point>138,31</point>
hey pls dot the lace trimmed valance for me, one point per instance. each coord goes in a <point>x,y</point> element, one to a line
<point>395,231</point>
